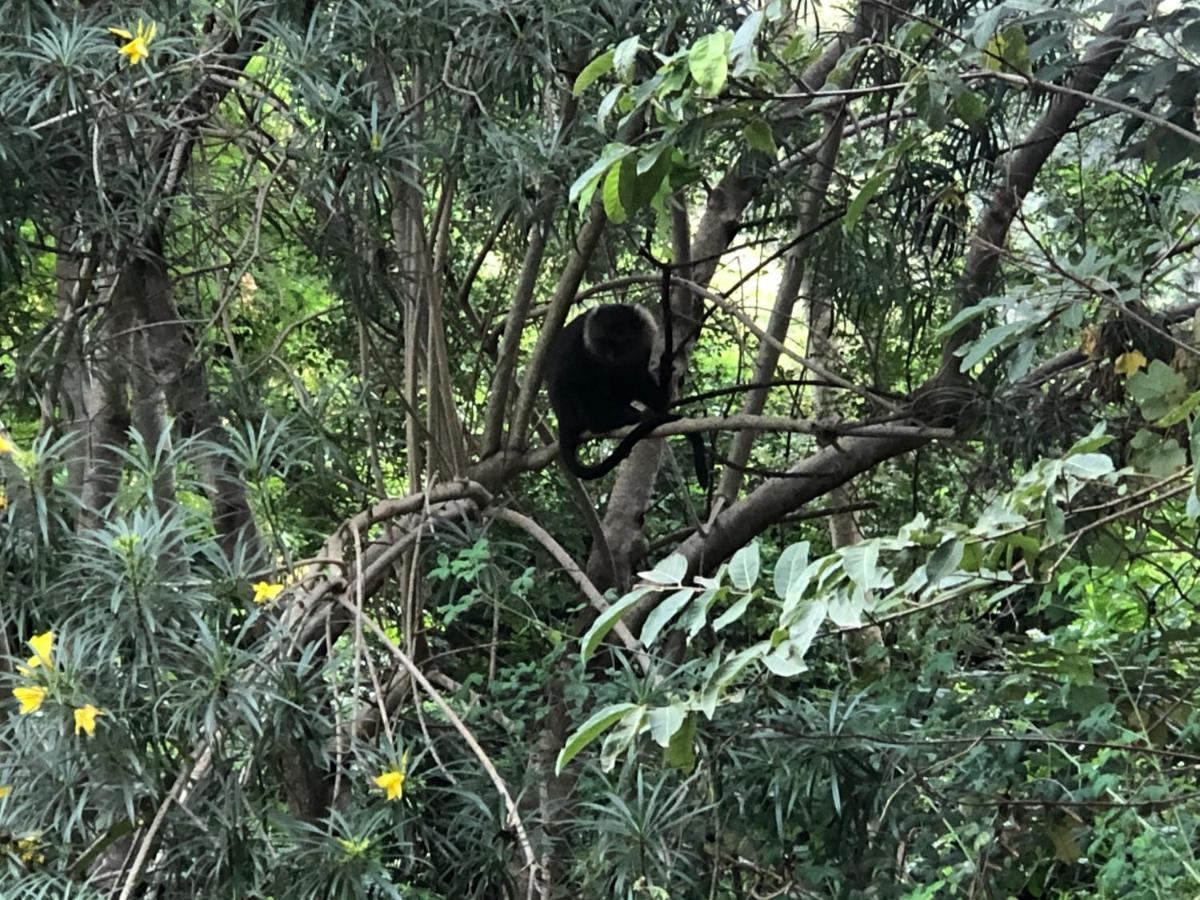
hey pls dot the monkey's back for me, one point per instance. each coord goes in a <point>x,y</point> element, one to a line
<point>586,390</point>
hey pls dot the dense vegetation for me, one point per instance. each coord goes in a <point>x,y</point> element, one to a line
<point>296,602</point>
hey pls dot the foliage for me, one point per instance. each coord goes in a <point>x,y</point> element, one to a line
<point>291,605</point>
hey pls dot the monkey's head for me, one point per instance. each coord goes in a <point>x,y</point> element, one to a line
<point>621,335</point>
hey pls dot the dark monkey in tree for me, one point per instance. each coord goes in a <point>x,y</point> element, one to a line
<point>599,364</point>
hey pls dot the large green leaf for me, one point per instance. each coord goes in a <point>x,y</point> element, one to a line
<point>599,66</point>
<point>664,613</point>
<point>745,566</point>
<point>708,62</point>
<point>595,726</point>
<point>607,620</point>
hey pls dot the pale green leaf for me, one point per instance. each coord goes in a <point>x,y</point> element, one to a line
<point>735,612</point>
<point>744,567</point>
<point>607,620</point>
<point>596,725</point>
<point>664,613</point>
<point>669,570</point>
<point>708,63</point>
<point>624,57</point>
<point>664,722</point>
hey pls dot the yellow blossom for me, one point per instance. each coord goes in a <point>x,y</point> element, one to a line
<point>6,446</point>
<point>31,698</point>
<point>392,781</point>
<point>3,501</point>
<point>266,591</point>
<point>137,46</point>
<point>85,719</point>
<point>5,790</point>
<point>43,650</point>
<point>1128,363</point>
<point>353,847</point>
<point>27,850</point>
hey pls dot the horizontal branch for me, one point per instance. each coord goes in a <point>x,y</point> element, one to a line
<point>791,426</point>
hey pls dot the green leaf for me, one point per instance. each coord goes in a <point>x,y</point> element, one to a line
<point>846,608</point>
<point>1180,412</point>
<point>599,722</point>
<point>786,660</point>
<point>744,567</point>
<point>758,135</point>
<point>697,614</point>
<point>586,183</point>
<point>970,107</point>
<point>961,318</point>
<point>1092,442</point>
<point>604,110</point>
<point>669,570</point>
<point>1056,521</point>
<point>618,192</point>
<point>601,65</point>
<point>729,669</point>
<point>802,631</point>
<point>650,158</point>
<point>861,564</point>
<point>1008,51</point>
<point>1161,457</point>
<point>607,620</point>
<point>681,752</point>
<point>741,49</point>
<point>624,57</point>
<point>664,722</point>
<point>647,184</point>
<point>790,580</point>
<point>862,198</point>
<point>664,613</point>
<point>1158,390</point>
<point>1089,466</point>
<point>944,559</point>
<point>735,612</point>
<point>708,63</point>
<point>991,339</point>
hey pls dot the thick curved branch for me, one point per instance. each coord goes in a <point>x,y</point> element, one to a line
<point>983,259</point>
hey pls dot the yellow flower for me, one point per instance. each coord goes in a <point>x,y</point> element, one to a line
<point>5,790</point>
<point>43,650</point>
<point>31,698</point>
<point>85,719</point>
<point>6,446</point>
<point>353,847</point>
<point>1128,363</point>
<point>392,781</point>
<point>27,850</point>
<point>266,591</point>
<point>3,501</point>
<point>137,46</point>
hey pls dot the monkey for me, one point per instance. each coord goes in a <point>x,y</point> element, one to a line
<point>598,365</point>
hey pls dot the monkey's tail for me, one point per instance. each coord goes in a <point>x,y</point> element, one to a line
<point>569,451</point>
<point>699,459</point>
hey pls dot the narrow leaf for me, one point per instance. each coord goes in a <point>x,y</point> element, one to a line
<point>862,198</point>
